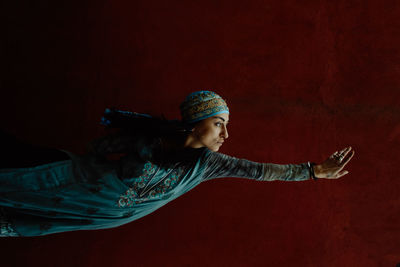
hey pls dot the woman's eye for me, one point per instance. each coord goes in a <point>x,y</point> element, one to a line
<point>218,124</point>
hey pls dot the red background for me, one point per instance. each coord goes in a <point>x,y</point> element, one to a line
<point>302,80</point>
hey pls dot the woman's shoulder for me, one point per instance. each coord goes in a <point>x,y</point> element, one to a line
<point>172,149</point>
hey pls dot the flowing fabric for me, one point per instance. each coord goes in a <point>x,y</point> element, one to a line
<point>88,192</point>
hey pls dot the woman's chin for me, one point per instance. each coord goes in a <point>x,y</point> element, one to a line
<point>214,148</point>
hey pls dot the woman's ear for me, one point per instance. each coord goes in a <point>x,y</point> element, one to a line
<point>190,128</point>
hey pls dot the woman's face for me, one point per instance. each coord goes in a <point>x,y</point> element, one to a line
<point>210,132</point>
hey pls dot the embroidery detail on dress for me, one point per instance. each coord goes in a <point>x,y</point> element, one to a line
<point>148,170</point>
<point>131,197</point>
<point>5,226</point>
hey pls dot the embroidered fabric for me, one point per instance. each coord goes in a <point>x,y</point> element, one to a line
<point>6,229</point>
<point>201,105</point>
<point>143,189</point>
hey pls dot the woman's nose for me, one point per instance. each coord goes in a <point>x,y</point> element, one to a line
<point>225,133</point>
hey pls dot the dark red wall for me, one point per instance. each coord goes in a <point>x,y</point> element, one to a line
<point>302,80</point>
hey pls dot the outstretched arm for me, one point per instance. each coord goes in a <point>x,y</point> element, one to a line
<point>218,165</point>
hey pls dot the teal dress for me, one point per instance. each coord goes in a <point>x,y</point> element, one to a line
<point>88,192</point>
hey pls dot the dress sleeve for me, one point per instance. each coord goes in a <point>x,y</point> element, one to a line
<point>218,165</point>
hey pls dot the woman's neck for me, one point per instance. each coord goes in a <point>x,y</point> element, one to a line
<point>173,149</point>
<point>174,142</point>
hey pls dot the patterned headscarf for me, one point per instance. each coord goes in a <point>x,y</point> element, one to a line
<point>201,105</point>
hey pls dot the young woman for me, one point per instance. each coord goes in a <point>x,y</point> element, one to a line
<point>47,191</point>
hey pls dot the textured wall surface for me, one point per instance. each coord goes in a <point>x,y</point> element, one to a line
<point>302,80</point>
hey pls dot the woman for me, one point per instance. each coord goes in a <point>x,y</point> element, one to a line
<point>159,161</point>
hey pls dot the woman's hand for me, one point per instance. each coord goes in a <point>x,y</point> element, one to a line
<point>332,168</point>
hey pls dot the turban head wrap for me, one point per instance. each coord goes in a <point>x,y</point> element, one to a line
<point>201,105</point>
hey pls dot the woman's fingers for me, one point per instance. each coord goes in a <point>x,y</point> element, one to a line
<point>345,151</point>
<point>348,159</point>
<point>342,152</point>
<point>341,173</point>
